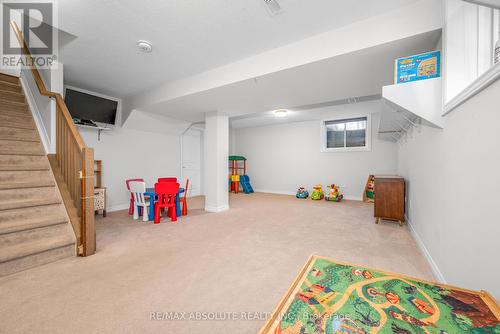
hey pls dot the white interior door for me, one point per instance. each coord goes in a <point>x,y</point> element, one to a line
<point>191,161</point>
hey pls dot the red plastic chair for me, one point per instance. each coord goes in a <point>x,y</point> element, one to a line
<point>131,207</point>
<point>167,179</point>
<point>183,200</point>
<point>166,192</point>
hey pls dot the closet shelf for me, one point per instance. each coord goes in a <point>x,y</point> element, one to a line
<point>410,105</point>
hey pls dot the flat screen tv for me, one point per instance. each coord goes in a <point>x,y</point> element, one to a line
<point>90,107</point>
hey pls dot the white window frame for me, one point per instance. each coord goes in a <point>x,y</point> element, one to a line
<point>368,139</point>
<point>472,53</point>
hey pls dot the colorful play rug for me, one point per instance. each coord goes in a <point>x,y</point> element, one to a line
<point>333,297</point>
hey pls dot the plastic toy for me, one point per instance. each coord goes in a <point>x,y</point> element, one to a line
<point>317,193</point>
<point>302,193</point>
<point>334,194</point>
<point>238,175</point>
<point>369,194</point>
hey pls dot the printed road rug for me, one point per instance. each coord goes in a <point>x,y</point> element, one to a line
<point>329,296</point>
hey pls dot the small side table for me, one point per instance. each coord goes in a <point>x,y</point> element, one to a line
<point>100,200</point>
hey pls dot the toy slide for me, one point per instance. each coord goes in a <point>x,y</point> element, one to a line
<point>245,184</point>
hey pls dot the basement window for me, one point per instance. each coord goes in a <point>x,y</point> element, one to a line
<point>348,134</point>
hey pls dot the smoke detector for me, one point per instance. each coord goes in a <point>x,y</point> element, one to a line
<point>273,7</point>
<point>144,46</point>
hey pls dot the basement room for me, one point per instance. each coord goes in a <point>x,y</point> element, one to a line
<point>250,166</point>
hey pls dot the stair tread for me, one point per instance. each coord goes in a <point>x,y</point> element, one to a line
<point>9,78</point>
<point>19,125</point>
<point>14,138</point>
<point>32,184</point>
<point>16,113</point>
<point>34,226</point>
<point>14,168</point>
<point>13,102</point>
<point>17,225</point>
<point>10,83</point>
<point>8,96</point>
<point>30,140</point>
<point>13,106</point>
<point>37,154</point>
<point>10,92</point>
<point>34,154</point>
<point>28,203</point>
<point>7,119</point>
<point>20,250</point>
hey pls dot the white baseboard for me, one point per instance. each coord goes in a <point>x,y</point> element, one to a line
<point>118,207</point>
<point>353,198</point>
<point>435,269</point>
<point>279,192</point>
<point>36,114</point>
<point>216,209</point>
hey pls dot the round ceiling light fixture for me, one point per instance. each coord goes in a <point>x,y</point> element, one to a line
<point>280,113</point>
<point>145,46</point>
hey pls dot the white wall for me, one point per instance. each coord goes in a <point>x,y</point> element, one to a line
<point>41,107</point>
<point>283,157</point>
<point>127,154</point>
<point>453,192</point>
<point>147,147</point>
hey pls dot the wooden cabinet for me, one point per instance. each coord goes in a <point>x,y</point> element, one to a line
<point>99,190</point>
<point>390,198</point>
<point>100,200</point>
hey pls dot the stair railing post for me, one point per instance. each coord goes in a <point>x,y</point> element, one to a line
<point>87,204</point>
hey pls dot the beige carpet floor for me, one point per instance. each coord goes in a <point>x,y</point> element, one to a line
<point>242,260</point>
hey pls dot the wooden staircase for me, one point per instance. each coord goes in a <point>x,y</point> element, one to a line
<point>34,224</point>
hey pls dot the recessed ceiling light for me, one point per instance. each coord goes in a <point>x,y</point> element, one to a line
<point>145,46</point>
<point>280,113</point>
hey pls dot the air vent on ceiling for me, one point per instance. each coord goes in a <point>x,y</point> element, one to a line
<point>273,7</point>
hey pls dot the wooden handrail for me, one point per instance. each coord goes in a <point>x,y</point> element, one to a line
<point>43,90</point>
<point>74,160</point>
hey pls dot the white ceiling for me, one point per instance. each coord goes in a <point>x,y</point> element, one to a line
<point>188,36</point>
<point>361,73</point>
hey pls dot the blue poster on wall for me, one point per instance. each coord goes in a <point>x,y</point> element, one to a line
<point>419,67</point>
